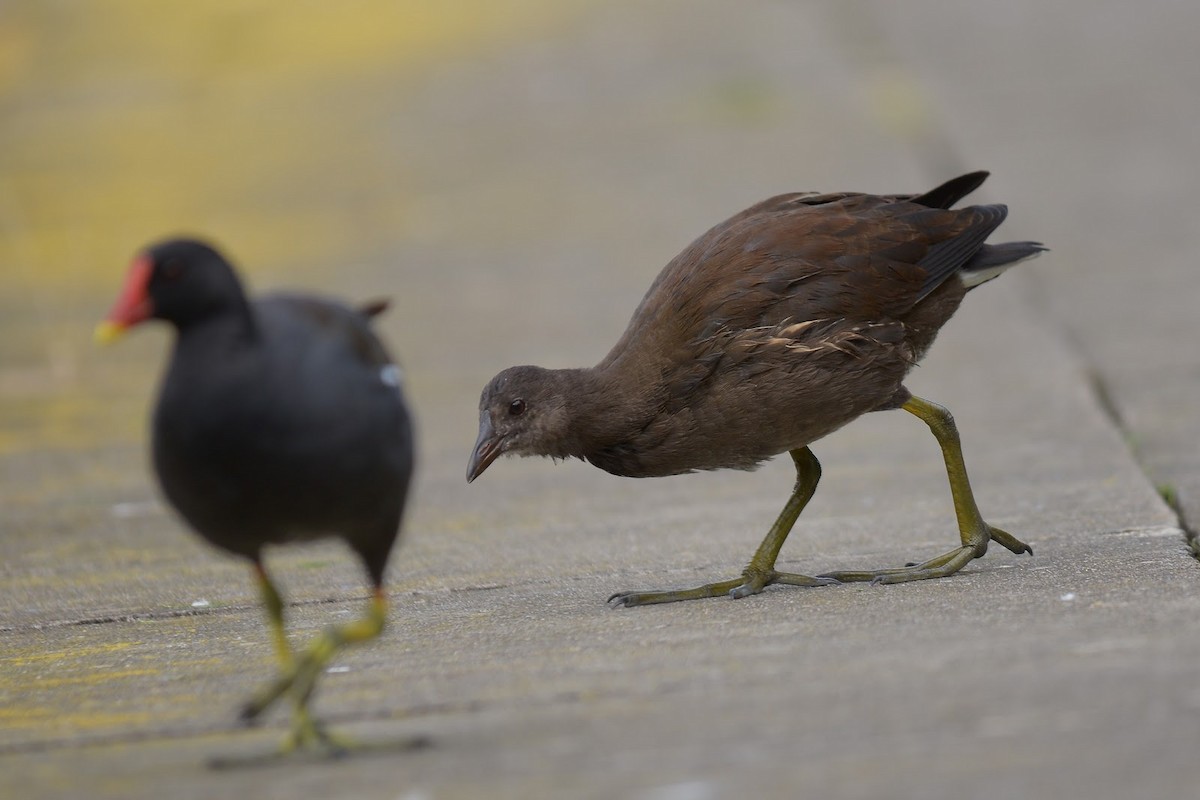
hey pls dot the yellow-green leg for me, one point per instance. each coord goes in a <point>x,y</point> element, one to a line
<point>974,532</point>
<point>273,602</point>
<point>305,732</point>
<point>298,676</point>
<point>760,572</point>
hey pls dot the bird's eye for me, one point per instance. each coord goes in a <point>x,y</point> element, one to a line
<point>172,269</point>
<point>516,408</point>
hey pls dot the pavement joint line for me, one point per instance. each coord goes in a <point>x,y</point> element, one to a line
<point>1107,404</point>
<point>1191,536</point>
<point>135,616</point>
<point>867,50</point>
<point>1111,409</point>
<point>174,613</point>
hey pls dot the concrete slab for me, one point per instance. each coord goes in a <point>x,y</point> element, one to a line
<point>1090,108</point>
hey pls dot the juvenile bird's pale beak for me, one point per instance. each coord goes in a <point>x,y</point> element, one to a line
<point>488,447</point>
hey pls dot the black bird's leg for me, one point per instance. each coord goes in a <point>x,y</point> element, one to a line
<point>974,532</point>
<point>760,572</point>
<point>274,605</point>
<point>305,731</point>
<point>298,676</point>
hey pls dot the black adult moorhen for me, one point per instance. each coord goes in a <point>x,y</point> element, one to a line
<point>773,329</point>
<point>279,420</point>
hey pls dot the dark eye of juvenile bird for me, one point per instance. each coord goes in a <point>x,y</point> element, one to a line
<point>516,408</point>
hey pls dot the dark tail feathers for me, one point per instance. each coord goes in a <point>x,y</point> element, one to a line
<point>992,259</point>
<point>373,308</point>
<point>952,190</point>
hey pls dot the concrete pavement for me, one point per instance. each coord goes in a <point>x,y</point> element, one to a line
<point>520,194</point>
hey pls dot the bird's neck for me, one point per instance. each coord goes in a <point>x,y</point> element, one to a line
<point>603,410</point>
<point>232,328</point>
<point>232,311</point>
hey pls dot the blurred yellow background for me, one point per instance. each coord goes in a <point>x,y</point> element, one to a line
<point>125,120</point>
<point>253,122</point>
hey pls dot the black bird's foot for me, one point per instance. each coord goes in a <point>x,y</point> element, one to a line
<point>298,680</point>
<point>299,675</point>
<point>306,736</point>
<point>750,583</point>
<point>309,735</point>
<point>323,747</point>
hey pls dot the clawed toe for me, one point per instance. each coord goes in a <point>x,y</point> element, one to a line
<point>256,705</point>
<point>620,599</point>
<point>1009,541</point>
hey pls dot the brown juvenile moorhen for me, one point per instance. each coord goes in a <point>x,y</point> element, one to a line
<point>279,420</point>
<point>773,329</point>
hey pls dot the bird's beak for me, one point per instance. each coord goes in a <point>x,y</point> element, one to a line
<point>133,303</point>
<point>488,447</point>
<point>107,332</point>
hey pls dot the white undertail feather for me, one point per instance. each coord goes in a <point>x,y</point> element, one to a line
<point>974,277</point>
<point>978,276</point>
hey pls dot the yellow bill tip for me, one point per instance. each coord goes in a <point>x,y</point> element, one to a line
<point>107,332</point>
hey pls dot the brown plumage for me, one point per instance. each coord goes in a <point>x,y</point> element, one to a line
<point>773,329</point>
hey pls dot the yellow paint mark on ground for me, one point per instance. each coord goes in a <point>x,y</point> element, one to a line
<point>54,419</point>
<point>39,716</point>
<point>75,653</point>
<point>91,679</point>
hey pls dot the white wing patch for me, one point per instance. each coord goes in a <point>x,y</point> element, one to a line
<point>391,376</point>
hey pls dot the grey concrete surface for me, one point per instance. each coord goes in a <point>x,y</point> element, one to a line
<point>1101,102</point>
<point>547,179</point>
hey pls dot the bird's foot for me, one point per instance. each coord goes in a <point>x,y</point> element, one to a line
<point>299,675</point>
<point>752,581</point>
<point>310,736</point>
<point>309,741</point>
<point>297,680</point>
<point>940,567</point>
<point>1009,541</point>
<point>307,735</point>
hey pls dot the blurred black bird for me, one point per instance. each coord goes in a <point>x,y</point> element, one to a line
<point>279,420</point>
<point>773,329</point>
